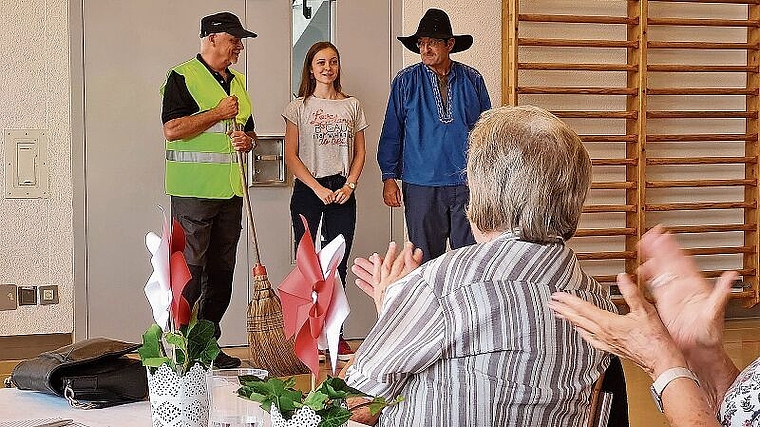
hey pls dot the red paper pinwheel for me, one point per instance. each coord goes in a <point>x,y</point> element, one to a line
<point>179,275</point>
<point>306,294</point>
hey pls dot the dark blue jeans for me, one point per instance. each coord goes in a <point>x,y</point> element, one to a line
<point>434,214</point>
<point>336,219</point>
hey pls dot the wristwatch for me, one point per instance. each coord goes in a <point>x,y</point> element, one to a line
<point>351,185</point>
<point>665,378</point>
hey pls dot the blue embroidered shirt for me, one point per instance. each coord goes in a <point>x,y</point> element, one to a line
<point>421,142</point>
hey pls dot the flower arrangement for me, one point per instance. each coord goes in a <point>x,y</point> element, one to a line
<point>328,401</point>
<point>178,338</point>
<point>190,344</point>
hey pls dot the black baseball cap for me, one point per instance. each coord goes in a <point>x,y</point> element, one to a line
<point>224,22</point>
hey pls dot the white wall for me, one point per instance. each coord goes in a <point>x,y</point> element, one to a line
<point>36,235</point>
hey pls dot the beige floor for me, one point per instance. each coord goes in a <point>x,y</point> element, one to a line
<point>742,340</point>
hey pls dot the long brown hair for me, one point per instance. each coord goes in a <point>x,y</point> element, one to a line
<point>308,83</point>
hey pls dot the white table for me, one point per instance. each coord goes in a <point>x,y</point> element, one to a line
<point>21,405</point>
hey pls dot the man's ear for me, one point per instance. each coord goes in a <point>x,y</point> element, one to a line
<point>450,44</point>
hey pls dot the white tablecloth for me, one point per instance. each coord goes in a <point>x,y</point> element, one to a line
<point>22,405</point>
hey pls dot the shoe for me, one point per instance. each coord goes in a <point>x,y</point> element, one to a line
<point>225,361</point>
<point>321,355</point>
<point>345,353</point>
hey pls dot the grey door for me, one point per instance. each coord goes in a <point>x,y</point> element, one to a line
<point>127,48</point>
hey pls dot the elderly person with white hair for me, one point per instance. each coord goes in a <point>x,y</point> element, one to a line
<point>467,338</point>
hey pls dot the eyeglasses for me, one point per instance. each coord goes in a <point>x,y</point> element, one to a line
<point>430,43</point>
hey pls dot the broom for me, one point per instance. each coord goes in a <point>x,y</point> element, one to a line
<point>268,348</point>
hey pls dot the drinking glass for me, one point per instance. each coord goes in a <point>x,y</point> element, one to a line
<point>226,408</point>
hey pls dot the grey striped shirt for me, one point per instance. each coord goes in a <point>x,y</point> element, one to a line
<point>468,340</point>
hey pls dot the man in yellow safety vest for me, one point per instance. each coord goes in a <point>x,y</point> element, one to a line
<point>205,103</point>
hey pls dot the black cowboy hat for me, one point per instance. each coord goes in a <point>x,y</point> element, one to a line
<point>436,24</point>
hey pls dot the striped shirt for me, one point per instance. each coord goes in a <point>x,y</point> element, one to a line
<point>468,340</point>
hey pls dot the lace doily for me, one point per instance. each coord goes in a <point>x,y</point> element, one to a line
<point>304,417</point>
<point>178,400</point>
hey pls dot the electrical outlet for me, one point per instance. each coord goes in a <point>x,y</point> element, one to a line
<point>27,295</point>
<point>48,294</point>
<point>8,300</point>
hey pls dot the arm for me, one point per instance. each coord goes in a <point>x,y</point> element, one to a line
<point>357,164</point>
<point>406,340</point>
<point>483,97</point>
<point>190,126</point>
<point>390,147</point>
<point>298,168</point>
<point>641,337</point>
<point>691,308</point>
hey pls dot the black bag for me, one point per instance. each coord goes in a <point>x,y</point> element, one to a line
<point>94,373</point>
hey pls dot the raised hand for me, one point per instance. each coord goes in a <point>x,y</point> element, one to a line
<point>691,308</point>
<point>377,273</point>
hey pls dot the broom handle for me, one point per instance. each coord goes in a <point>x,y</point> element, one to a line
<point>249,212</point>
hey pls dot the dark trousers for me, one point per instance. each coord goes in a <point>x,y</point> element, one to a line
<point>336,219</point>
<point>434,214</point>
<point>614,382</point>
<point>212,231</point>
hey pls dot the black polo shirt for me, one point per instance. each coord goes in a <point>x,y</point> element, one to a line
<point>179,103</point>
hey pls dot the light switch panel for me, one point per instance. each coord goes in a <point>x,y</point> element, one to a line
<point>26,164</point>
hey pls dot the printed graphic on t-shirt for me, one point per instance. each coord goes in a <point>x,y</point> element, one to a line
<point>330,129</point>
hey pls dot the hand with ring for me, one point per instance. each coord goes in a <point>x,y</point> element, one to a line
<point>690,307</point>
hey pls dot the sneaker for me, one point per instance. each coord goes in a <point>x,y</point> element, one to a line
<point>225,361</point>
<point>345,353</point>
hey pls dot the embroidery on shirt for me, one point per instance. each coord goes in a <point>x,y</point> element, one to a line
<point>444,116</point>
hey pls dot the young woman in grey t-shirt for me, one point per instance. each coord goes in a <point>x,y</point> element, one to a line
<point>325,149</point>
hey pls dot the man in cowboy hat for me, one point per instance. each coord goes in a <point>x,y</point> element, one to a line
<point>202,98</point>
<point>431,108</point>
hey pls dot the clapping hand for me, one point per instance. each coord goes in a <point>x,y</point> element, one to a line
<point>691,308</point>
<point>377,273</point>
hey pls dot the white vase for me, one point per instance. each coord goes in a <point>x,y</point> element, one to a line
<point>178,401</point>
<point>303,417</point>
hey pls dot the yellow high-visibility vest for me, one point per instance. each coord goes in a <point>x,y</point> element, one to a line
<point>205,166</point>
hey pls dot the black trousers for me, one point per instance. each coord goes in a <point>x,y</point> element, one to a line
<point>434,214</point>
<point>336,219</point>
<point>212,231</point>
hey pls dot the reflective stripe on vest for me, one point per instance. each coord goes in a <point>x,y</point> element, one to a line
<point>205,165</point>
<point>197,157</point>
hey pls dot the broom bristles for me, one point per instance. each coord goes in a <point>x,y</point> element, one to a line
<point>267,345</point>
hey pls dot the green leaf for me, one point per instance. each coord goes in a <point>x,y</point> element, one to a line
<point>151,347</point>
<point>201,344</point>
<point>155,362</point>
<point>334,416</point>
<point>336,388</point>
<point>377,404</point>
<point>315,400</point>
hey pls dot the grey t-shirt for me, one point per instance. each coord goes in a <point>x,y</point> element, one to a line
<point>326,129</point>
